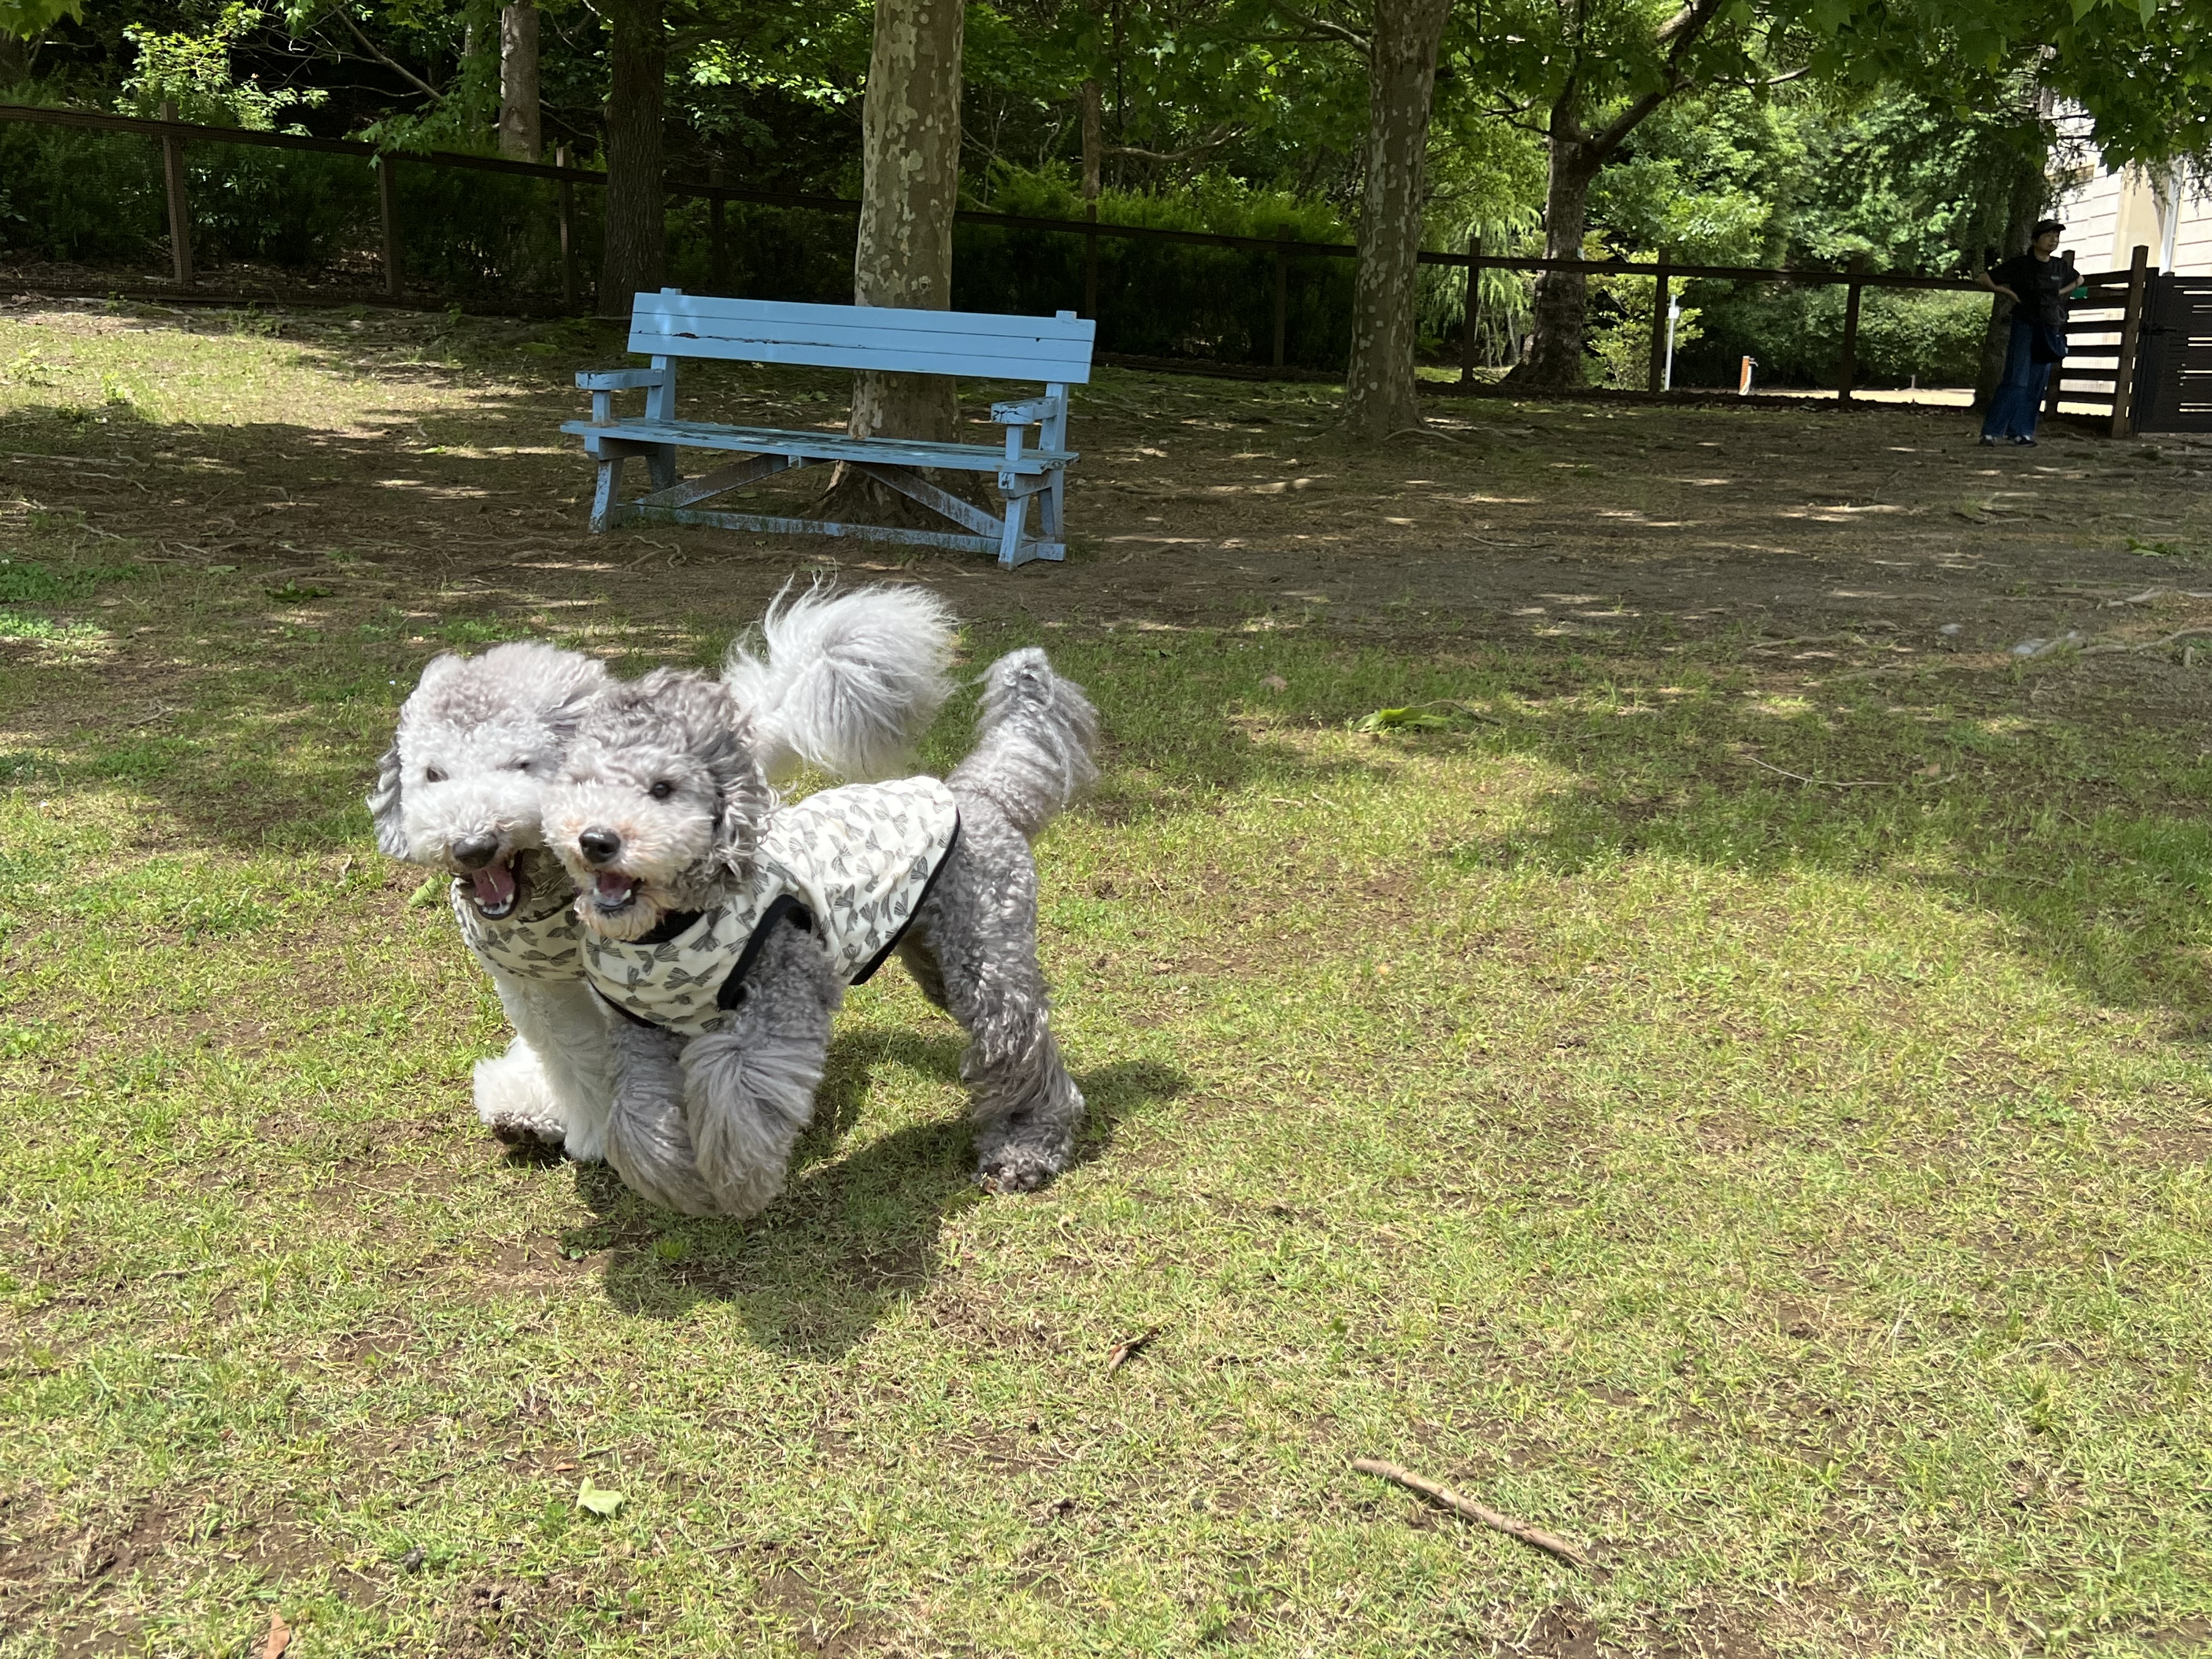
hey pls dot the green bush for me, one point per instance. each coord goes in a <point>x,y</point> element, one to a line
<point>1160,298</point>
<point>1797,335</point>
<point>84,196</point>
<point>97,198</point>
<point>1155,298</point>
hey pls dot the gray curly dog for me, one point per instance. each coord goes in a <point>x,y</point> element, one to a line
<point>722,929</point>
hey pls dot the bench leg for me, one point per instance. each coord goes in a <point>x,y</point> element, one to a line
<point>1010,541</point>
<point>609,492</point>
<point>1052,519</point>
<point>662,461</point>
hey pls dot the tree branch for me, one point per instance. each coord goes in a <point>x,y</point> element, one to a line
<point>380,55</point>
<point>1220,136</point>
<point>1678,34</point>
<point>1325,27</point>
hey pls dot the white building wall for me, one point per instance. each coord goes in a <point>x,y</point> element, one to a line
<point>2108,215</point>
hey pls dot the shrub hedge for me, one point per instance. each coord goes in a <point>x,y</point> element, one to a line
<point>482,237</point>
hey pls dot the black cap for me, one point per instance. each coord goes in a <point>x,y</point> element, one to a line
<point>2042,225</point>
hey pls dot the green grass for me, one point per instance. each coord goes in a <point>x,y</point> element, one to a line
<point>1796,1193</point>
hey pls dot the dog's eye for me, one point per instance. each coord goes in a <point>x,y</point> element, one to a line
<point>662,790</point>
<point>522,766</point>
<point>432,775</point>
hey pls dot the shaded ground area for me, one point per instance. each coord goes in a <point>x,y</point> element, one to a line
<point>1584,989</point>
<point>1198,502</point>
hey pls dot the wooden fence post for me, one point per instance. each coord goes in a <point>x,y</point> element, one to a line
<point>2123,375</point>
<point>568,232</point>
<point>1469,344</point>
<point>1091,261</point>
<point>1847,371</point>
<point>1282,294</point>
<point>1661,285</point>
<point>180,215</point>
<point>387,201</point>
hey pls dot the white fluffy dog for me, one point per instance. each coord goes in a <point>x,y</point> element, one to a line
<point>844,682</point>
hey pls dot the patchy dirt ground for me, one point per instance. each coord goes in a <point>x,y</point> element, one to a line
<point>1824,536</point>
<point>1793,1194</point>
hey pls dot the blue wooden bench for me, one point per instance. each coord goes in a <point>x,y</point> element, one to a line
<point>672,325</point>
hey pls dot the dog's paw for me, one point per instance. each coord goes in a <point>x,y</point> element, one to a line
<point>1017,1170</point>
<point>526,1128</point>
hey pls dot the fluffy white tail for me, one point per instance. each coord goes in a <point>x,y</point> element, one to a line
<point>845,682</point>
<point>1034,742</point>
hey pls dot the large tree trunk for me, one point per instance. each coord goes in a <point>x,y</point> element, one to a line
<point>635,248</point>
<point>1094,141</point>
<point>1379,397</point>
<point>910,179</point>
<point>1561,308</point>
<point>2024,208</point>
<point>518,132</point>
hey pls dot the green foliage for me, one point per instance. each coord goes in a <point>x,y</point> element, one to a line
<point>1621,342</point>
<point>29,19</point>
<point>1796,335</point>
<point>95,197</point>
<point>1165,299</point>
<point>2142,69</point>
<point>193,72</point>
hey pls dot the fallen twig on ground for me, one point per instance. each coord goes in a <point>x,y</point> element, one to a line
<point>1536,1537</point>
<point>2148,645</point>
<point>1826,783</point>
<point>2150,593</point>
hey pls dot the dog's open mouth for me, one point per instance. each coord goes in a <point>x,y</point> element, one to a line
<point>495,891</point>
<point>612,894</point>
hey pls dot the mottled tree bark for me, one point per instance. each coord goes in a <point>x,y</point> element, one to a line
<point>1094,141</point>
<point>520,135</point>
<point>1401,79</point>
<point>635,246</point>
<point>910,179</point>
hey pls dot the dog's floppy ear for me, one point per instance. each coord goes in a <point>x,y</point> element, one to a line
<point>743,798</point>
<point>383,805</point>
<point>566,716</point>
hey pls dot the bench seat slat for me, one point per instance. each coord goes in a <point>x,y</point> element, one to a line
<point>776,315</point>
<point>974,345</point>
<point>879,354</point>
<point>823,446</point>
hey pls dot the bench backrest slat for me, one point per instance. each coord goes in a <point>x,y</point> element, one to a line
<point>974,345</point>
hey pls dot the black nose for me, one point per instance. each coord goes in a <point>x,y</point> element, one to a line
<point>600,845</point>
<point>476,852</point>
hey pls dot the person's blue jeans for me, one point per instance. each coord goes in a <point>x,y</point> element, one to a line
<point>2019,400</point>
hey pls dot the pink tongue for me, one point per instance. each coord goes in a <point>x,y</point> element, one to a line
<point>494,885</point>
<point>615,887</point>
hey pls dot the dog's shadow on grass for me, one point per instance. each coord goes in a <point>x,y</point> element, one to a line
<point>851,1237</point>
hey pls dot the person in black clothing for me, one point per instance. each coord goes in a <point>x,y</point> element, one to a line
<point>2037,284</point>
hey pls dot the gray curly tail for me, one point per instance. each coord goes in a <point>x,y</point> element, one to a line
<point>1034,740</point>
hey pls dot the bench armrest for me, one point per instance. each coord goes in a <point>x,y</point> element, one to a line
<point>658,382</point>
<point>1027,412</point>
<point>619,380</point>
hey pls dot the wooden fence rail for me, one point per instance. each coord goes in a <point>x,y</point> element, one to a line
<point>172,135</point>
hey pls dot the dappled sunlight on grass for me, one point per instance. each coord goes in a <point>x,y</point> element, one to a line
<point>1755,1126</point>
